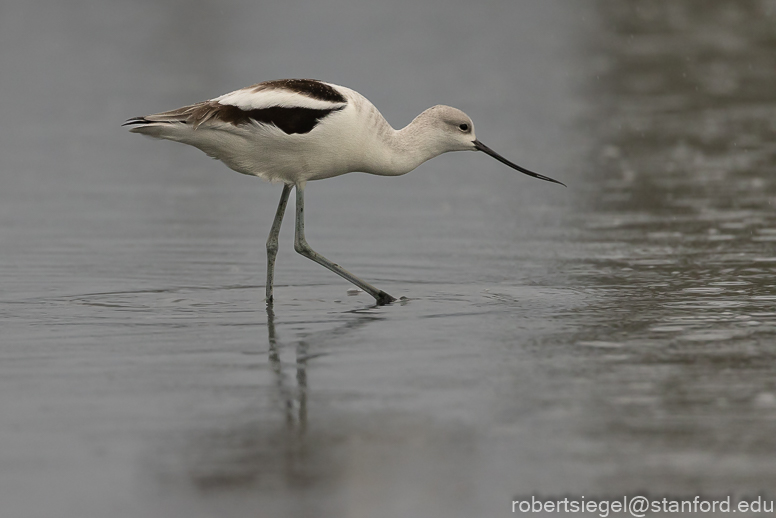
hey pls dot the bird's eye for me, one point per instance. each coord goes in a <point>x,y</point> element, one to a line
<point>463,127</point>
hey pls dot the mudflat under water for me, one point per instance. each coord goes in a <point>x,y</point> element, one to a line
<point>614,337</point>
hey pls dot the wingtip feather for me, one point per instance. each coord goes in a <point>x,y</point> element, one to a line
<point>135,120</point>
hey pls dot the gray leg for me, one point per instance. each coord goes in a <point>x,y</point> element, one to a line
<point>272,240</point>
<point>301,246</point>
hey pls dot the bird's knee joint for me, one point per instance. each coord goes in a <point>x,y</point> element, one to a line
<point>272,247</point>
<point>302,248</point>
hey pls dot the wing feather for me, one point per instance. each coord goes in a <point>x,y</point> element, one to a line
<point>293,105</point>
<point>286,93</point>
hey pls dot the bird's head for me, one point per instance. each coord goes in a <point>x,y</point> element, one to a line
<point>453,130</point>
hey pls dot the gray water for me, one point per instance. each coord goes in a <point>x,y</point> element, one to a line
<point>611,338</point>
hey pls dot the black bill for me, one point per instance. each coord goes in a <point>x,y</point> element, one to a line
<point>485,149</point>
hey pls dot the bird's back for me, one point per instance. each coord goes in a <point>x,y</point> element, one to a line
<point>289,130</point>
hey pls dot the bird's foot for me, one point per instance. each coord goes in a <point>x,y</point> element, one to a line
<point>383,298</point>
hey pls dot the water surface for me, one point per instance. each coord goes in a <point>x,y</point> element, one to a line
<point>609,338</point>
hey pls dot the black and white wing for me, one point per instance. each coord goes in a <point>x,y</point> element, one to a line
<point>292,105</point>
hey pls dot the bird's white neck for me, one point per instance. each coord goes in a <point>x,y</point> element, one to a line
<point>401,151</point>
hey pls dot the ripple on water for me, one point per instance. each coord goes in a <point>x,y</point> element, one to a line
<point>704,291</point>
<point>706,304</point>
<point>711,335</point>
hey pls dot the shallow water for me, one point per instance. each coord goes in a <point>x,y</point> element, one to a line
<point>610,338</point>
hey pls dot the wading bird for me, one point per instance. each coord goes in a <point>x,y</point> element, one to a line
<point>296,130</point>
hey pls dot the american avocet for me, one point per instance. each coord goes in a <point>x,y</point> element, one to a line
<point>296,130</point>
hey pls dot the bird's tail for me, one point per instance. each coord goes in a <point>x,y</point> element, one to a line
<point>163,125</point>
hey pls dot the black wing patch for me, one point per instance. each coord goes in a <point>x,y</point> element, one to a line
<point>289,120</point>
<point>308,87</point>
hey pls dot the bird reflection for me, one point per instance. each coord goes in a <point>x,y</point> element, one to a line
<point>294,399</point>
<point>271,445</point>
<point>290,397</point>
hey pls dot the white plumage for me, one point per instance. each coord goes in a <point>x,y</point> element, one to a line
<point>251,99</point>
<point>297,130</point>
